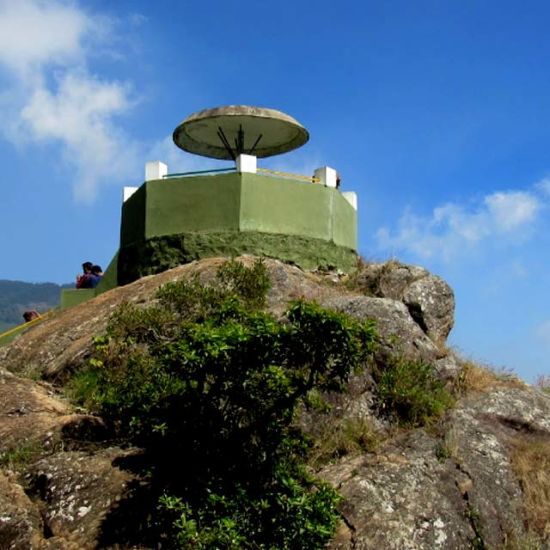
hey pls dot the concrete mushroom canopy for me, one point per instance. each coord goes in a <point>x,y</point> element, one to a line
<point>227,132</point>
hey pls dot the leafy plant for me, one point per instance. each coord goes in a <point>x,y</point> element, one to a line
<point>251,284</point>
<point>209,384</point>
<point>410,392</point>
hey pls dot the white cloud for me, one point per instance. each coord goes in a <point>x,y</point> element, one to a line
<point>138,19</point>
<point>78,113</point>
<point>544,186</point>
<point>52,96</point>
<point>35,32</point>
<point>453,228</point>
<point>511,210</point>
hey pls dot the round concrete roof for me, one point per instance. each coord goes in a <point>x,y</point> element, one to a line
<point>226,132</point>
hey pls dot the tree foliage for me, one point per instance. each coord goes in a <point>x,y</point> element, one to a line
<point>209,384</point>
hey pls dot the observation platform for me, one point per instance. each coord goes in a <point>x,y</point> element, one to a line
<point>173,219</point>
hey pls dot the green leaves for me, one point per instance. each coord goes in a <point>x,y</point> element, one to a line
<point>208,385</point>
<point>410,392</point>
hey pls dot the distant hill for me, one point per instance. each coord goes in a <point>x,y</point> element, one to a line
<point>18,296</point>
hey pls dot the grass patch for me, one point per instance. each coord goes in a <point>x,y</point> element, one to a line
<point>475,378</point>
<point>543,383</point>
<point>447,447</point>
<point>523,541</point>
<point>531,464</point>
<point>21,456</point>
<point>341,437</point>
<point>410,392</point>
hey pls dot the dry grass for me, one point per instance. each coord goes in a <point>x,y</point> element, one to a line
<point>448,446</point>
<point>543,383</point>
<point>340,437</point>
<point>475,378</point>
<point>370,286</point>
<point>531,464</point>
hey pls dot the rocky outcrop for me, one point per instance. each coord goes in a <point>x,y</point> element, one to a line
<point>60,344</point>
<point>63,497</point>
<point>429,299</point>
<point>452,489</point>
<point>454,485</point>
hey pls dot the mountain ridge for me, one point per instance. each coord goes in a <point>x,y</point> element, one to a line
<point>17,297</point>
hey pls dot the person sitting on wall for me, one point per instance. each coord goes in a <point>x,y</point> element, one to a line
<point>30,315</point>
<point>82,280</point>
<point>95,276</point>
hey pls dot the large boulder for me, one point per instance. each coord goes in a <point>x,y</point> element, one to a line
<point>429,299</point>
<point>456,488</point>
<point>413,310</point>
<point>453,485</point>
<point>21,526</point>
<point>52,497</point>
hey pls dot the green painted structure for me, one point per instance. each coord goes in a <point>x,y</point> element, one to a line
<point>176,220</point>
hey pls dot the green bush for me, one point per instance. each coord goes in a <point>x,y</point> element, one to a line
<point>251,284</point>
<point>410,392</point>
<point>209,385</point>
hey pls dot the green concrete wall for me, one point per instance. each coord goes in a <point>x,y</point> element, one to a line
<point>73,296</point>
<point>173,221</point>
<point>166,223</point>
<point>344,221</point>
<point>238,202</point>
<point>132,225</point>
<point>288,207</point>
<point>110,276</point>
<point>179,205</point>
<point>161,253</point>
<point>283,206</point>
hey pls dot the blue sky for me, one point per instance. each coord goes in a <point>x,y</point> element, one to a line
<point>437,113</point>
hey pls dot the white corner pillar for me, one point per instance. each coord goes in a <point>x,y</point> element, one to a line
<point>155,170</point>
<point>351,197</point>
<point>247,163</point>
<point>127,192</point>
<point>327,176</point>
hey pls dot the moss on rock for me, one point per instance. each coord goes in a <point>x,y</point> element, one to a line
<point>161,253</point>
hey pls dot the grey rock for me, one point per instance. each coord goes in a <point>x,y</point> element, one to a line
<point>398,331</point>
<point>78,491</point>
<point>449,486</point>
<point>431,303</point>
<point>20,523</point>
<point>388,279</point>
<point>401,498</point>
<point>458,490</point>
<point>430,300</point>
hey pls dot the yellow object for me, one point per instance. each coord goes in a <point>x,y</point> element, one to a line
<point>27,324</point>
<point>289,175</point>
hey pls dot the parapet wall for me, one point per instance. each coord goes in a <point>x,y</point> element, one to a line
<point>173,221</point>
<point>177,220</point>
<point>238,202</point>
